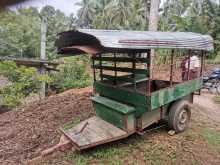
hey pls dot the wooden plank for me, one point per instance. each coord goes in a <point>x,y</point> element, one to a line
<point>118,78</point>
<point>97,131</point>
<point>122,59</point>
<point>125,78</point>
<point>123,69</point>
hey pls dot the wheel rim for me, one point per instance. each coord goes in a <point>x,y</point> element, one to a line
<point>183,119</point>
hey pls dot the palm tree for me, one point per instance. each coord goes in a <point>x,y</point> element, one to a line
<point>86,12</point>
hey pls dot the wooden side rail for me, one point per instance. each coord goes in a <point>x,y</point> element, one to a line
<point>122,59</point>
<point>123,69</point>
<point>118,78</point>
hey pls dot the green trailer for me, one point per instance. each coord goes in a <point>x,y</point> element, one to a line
<point>127,97</point>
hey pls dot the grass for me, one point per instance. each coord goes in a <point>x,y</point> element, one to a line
<point>152,149</point>
<point>71,124</point>
<point>111,154</point>
<point>212,137</point>
<point>217,99</point>
<point>133,150</point>
<point>105,155</point>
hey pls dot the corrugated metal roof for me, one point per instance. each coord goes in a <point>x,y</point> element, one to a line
<point>115,39</point>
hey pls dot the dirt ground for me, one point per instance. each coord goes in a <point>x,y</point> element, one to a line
<point>26,132</point>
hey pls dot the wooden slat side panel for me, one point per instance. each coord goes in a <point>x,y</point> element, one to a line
<point>125,78</point>
<point>124,96</point>
<point>122,59</point>
<point>119,78</point>
<point>123,69</point>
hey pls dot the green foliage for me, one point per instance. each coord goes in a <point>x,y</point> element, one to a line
<point>217,99</point>
<point>72,74</point>
<point>21,29</point>
<point>118,14</point>
<point>212,137</point>
<point>24,81</point>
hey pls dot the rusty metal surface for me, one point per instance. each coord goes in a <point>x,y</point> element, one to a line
<point>4,3</point>
<point>112,40</point>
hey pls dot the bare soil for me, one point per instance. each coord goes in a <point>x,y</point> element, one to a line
<point>208,109</point>
<point>26,132</point>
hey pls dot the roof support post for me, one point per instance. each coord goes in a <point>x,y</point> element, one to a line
<point>100,63</point>
<point>134,67</point>
<point>202,63</point>
<point>188,69</point>
<point>171,68</point>
<point>93,66</point>
<point>150,73</point>
<point>201,67</point>
<point>115,66</point>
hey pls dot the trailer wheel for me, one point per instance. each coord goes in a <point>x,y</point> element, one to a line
<point>179,116</point>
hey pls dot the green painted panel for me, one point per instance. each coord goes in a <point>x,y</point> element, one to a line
<point>109,115</point>
<point>119,107</point>
<point>140,110</point>
<point>167,95</point>
<point>125,78</point>
<point>121,95</point>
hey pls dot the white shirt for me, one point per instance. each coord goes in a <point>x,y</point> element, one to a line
<point>194,62</point>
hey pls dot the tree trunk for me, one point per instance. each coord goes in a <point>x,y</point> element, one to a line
<point>153,25</point>
<point>43,56</point>
<point>154,15</point>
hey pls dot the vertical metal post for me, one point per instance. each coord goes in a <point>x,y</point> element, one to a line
<point>115,66</point>
<point>149,72</point>
<point>188,69</point>
<point>93,66</point>
<point>201,68</point>
<point>202,63</point>
<point>171,68</point>
<point>134,68</point>
<point>100,63</point>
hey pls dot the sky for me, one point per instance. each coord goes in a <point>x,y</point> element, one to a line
<point>66,6</point>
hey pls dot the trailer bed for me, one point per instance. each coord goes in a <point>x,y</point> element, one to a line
<point>92,132</point>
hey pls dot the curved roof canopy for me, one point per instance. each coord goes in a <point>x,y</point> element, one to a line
<point>95,41</point>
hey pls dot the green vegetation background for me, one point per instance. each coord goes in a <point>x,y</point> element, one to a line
<point>20,30</point>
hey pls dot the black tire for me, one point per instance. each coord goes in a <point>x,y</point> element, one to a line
<point>179,116</point>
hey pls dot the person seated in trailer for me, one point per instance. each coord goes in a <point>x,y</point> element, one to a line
<point>184,69</point>
<point>194,67</point>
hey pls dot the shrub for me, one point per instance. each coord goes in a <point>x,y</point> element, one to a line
<point>72,74</point>
<point>24,82</point>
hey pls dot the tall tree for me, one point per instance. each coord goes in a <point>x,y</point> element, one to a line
<point>154,15</point>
